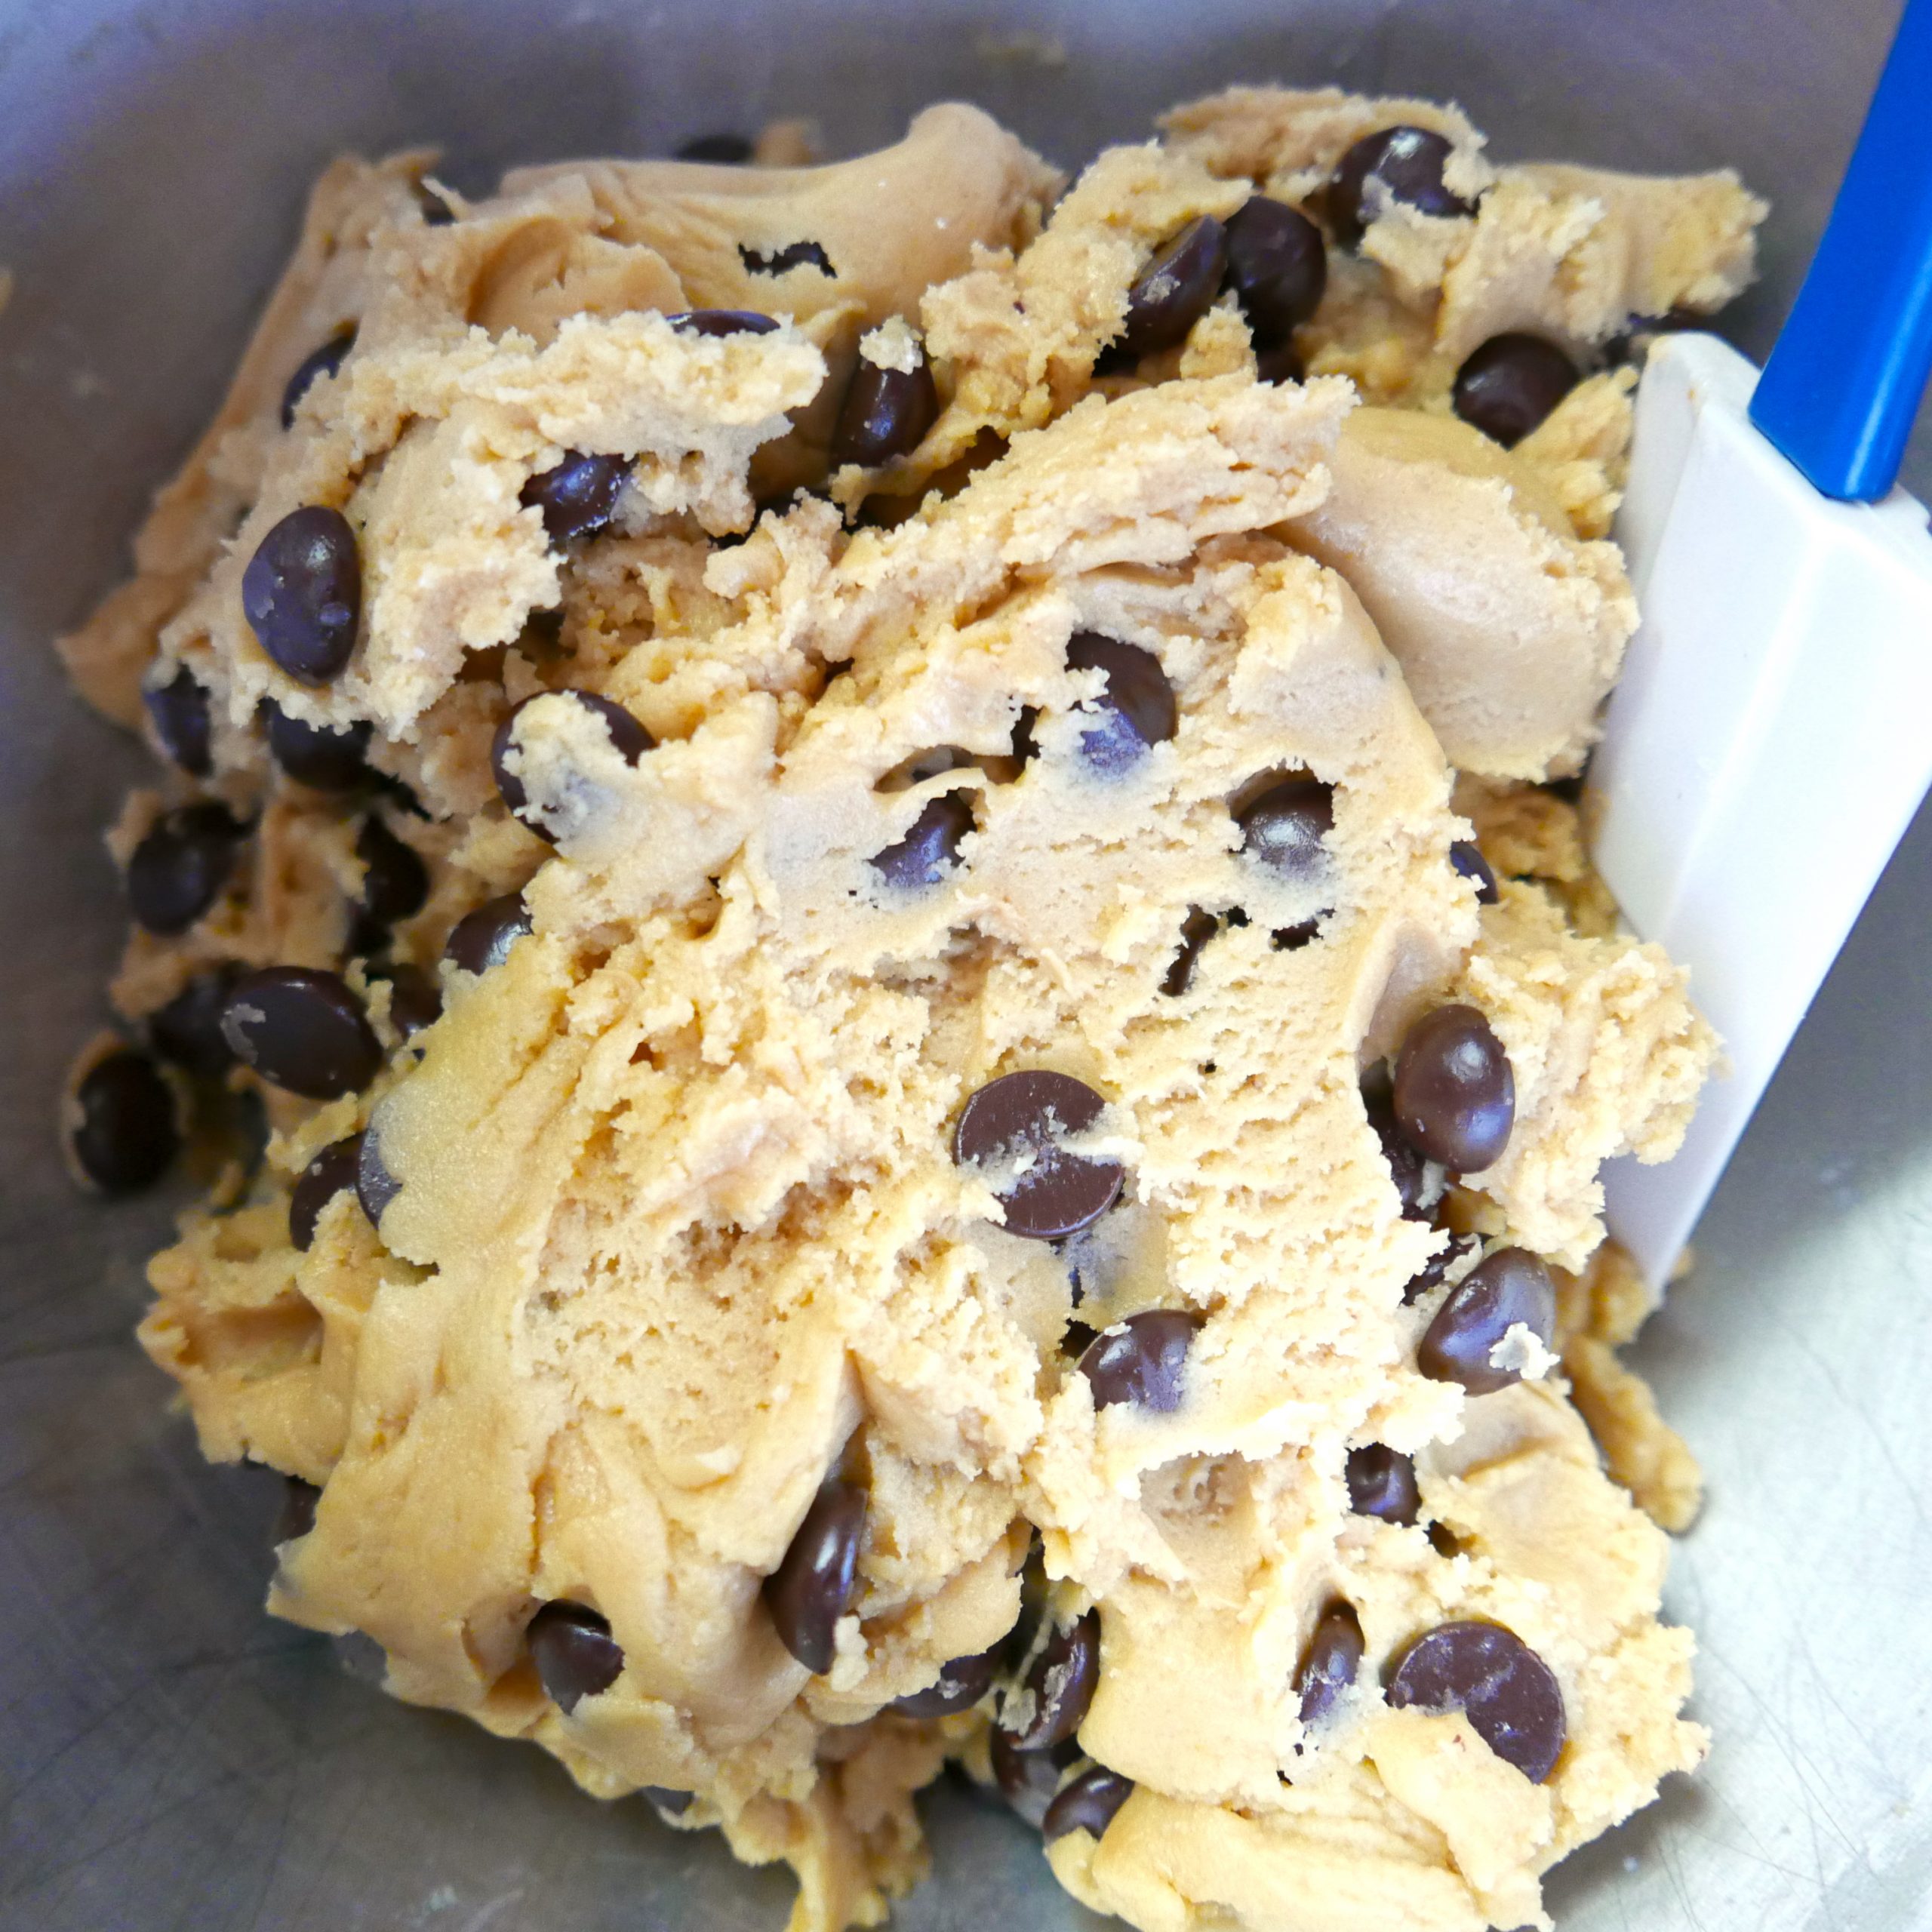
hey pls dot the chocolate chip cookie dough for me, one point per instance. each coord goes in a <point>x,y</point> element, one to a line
<point>875,845</point>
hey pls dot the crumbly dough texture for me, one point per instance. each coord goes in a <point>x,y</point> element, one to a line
<point>678,1224</point>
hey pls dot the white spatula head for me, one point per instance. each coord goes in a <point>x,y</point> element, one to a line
<point>1767,746</point>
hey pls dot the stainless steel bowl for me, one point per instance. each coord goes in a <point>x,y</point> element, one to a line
<point>168,1756</point>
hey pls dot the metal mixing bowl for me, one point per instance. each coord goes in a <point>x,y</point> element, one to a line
<point>171,1757</point>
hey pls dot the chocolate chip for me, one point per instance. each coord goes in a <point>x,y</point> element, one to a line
<point>574,1653</point>
<point>722,321</point>
<point>296,1516</point>
<point>1283,365</point>
<point>376,1187</point>
<point>333,1171</point>
<point>668,1803</point>
<point>1510,1288</point>
<point>187,1030</point>
<point>1139,1360</point>
<point>1060,1685</point>
<point>302,593</point>
<point>1469,861</point>
<point>1277,267</point>
<point>416,999</point>
<point>1028,1780</point>
<point>722,150</point>
<point>577,496</point>
<point>1455,1093</point>
<point>179,711</point>
<point>1382,1483</point>
<point>395,882</point>
<point>1329,1664</point>
<point>962,1683</point>
<point>1509,1694</point>
<point>301,1029</point>
<point>931,847</point>
<point>793,255</point>
<point>123,1132</point>
<point>1175,290</point>
<point>180,869</point>
<point>1511,384</point>
<point>1135,708</point>
<point>1087,1805</point>
<point>1407,1170</point>
<point>1196,930</point>
<point>1029,1114</point>
<point>314,756</point>
<point>1284,828</point>
<point>1430,1275</point>
<point>483,939</point>
<point>317,363</point>
<point>812,1589</point>
<point>886,414</point>
<point>1408,162</point>
<point>631,739</point>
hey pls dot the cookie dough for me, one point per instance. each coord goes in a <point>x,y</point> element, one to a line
<point>827,886</point>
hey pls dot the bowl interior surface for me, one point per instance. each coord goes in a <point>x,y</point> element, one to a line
<point>170,1756</point>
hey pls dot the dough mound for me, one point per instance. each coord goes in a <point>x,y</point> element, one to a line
<point>676,1237</point>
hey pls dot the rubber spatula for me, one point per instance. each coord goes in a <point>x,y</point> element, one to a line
<point>1771,737</point>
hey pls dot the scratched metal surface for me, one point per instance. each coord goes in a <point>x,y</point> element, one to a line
<point>168,1757</point>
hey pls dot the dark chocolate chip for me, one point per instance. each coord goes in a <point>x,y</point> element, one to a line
<point>1292,939</point>
<point>1029,1114</point>
<point>302,593</point>
<point>124,1133</point>
<point>1028,1780</point>
<point>669,1803</point>
<point>931,847</point>
<point>317,363</point>
<point>577,496</point>
<point>180,869</point>
<point>1445,1542</point>
<point>1407,1168</point>
<point>376,1187</point>
<point>1509,1694</point>
<point>187,1030</point>
<point>416,999</point>
<point>722,150</point>
<point>1455,1093</point>
<point>1135,708</point>
<point>793,255</point>
<point>574,1653</point>
<point>483,939</point>
<point>1283,365</point>
<point>1139,1360</point>
<point>630,738</point>
<point>1196,930</point>
<point>1382,1483</point>
<point>886,414</point>
<point>1284,828</point>
<point>1060,1686</point>
<point>313,756</point>
<point>722,321</point>
<point>296,1516</point>
<point>962,1683</point>
<point>1511,384</point>
<point>333,1171</point>
<point>1277,267</point>
<point>1329,1664</point>
<point>1408,162</point>
<point>1468,860</point>
<point>395,882</point>
<point>1510,1288</point>
<point>301,1029</point>
<point>1430,1275</point>
<point>1087,1805</point>
<point>812,1589</point>
<point>1175,290</point>
<point>179,711</point>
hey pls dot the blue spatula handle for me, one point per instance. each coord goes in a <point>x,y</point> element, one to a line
<point>1843,385</point>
